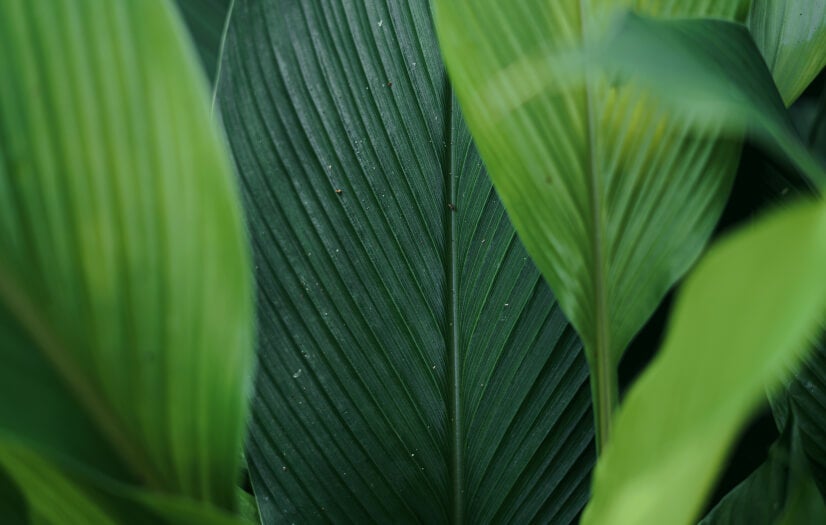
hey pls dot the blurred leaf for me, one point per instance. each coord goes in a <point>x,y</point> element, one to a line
<point>413,364</point>
<point>721,80</point>
<point>57,497</point>
<point>613,198</point>
<point>206,20</point>
<point>53,498</point>
<point>125,292</point>
<point>13,507</point>
<point>736,325</point>
<point>791,35</point>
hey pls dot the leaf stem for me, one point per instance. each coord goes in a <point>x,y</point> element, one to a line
<point>605,395</point>
<point>457,460</point>
<point>604,388</point>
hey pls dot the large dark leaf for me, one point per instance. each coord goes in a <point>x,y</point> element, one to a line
<point>414,365</point>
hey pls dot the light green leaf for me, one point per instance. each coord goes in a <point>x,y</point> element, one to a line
<point>125,287</point>
<point>791,35</point>
<point>613,198</point>
<point>206,20</point>
<point>413,364</point>
<point>728,341</point>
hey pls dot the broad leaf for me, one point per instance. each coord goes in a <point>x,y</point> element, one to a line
<point>206,20</point>
<point>413,364</point>
<point>125,292</point>
<point>728,340</point>
<point>613,198</point>
<point>791,35</point>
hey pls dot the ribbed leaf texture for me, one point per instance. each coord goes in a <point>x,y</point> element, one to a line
<point>791,35</point>
<point>126,300</point>
<point>612,196</point>
<point>413,364</point>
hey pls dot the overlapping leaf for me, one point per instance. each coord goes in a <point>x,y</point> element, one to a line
<point>781,491</point>
<point>667,448</point>
<point>791,35</point>
<point>613,198</point>
<point>125,292</point>
<point>413,365</point>
<point>206,20</point>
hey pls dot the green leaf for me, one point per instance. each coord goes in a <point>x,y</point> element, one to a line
<point>722,80</point>
<point>760,498</point>
<point>13,506</point>
<point>413,364</point>
<point>58,497</point>
<point>613,198</point>
<point>805,396</point>
<point>206,20</point>
<point>54,498</point>
<point>791,35</point>
<point>125,286</point>
<point>728,341</point>
<point>781,491</point>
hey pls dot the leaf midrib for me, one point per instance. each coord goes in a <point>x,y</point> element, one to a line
<point>602,385</point>
<point>453,344</point>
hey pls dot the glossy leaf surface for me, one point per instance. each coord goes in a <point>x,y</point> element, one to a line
<point>413,364</point>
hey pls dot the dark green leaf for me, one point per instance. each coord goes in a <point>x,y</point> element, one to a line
<point>413,364</point>
<point>781,491</point>
<point>761,498</point>
<point>13,506</point>
<point>806,398</point>
<point>206,20</point>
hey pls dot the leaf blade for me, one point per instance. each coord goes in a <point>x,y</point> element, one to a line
<point>791,34</point>
<point>632,484</point>
<point>356,293</point>
<point>114,185</point>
